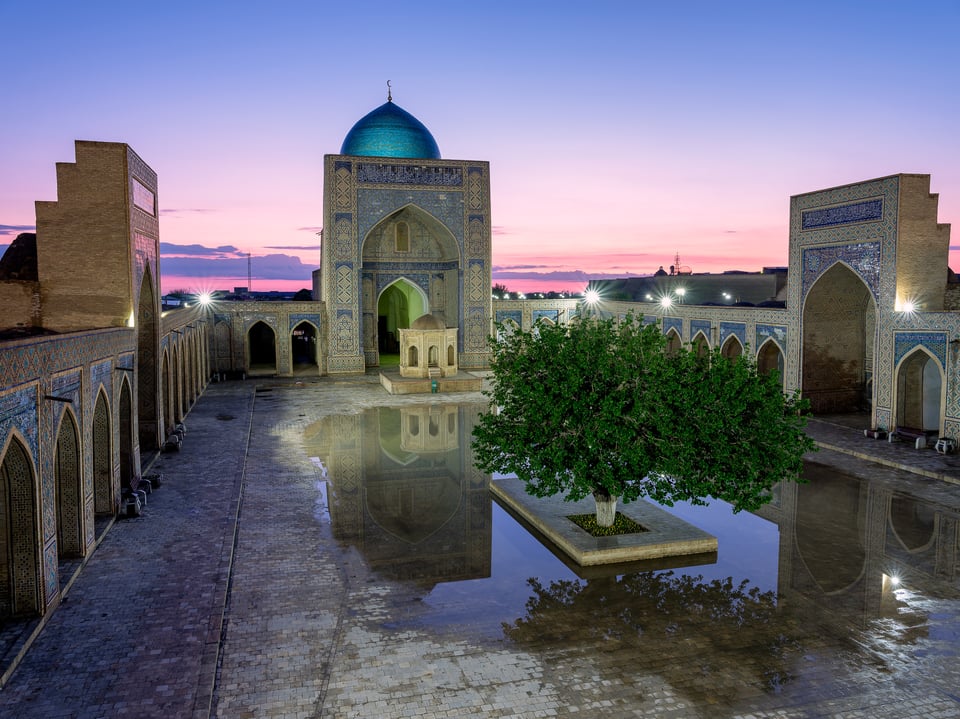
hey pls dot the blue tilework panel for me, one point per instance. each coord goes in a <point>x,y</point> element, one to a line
<point>865,211</point>
<point>376,173</point>
<point>700,326</point>
<point>296,319</point>
<point>862,257</point>
<point>934,342</point>
<point>513,315</point>
<point>673,323</point>
<point>737,329</point>
<point>18,410</point>
<point>374,205</point>
<point>552,315</point>
<point>777,333</point>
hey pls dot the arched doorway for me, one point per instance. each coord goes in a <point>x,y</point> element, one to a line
<point>701,346</point>
<point>262,344</point>
<point>166,376</point>
<point>68,480</point>
<point>303,348</point>
<point>732,348</point>
<point>147,369</point>
<point>397,307</point>
<point>770,358</point>
<point>20,563</point>
<point>919,393</point>
<point>673,343</point>
<point>103,495</point>
<point>125,429</point>
<point>838,328</point>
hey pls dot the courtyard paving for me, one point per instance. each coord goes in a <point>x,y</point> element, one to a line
<point>229,597</point>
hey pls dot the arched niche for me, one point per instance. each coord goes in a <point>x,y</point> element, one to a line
<point>700,345</point>
<point>838,328</point>
<point>770,359</point>
<point>304,348</point>
<point>261,349</point>
<point>68,476</point>
<point>920,388</point>
<point>103,491</point>
<point>731,348</point>
<point>125,434</point>
<point>673,342</point>
<point>19,521</point>
<point>413,246</point>
<point>147,368</point>
<point>399,304</point>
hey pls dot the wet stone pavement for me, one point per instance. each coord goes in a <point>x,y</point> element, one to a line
<point>231,597</point>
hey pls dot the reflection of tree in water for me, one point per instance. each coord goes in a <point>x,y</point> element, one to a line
<point>722,637</point>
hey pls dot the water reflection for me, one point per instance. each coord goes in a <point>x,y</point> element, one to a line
<point>838,579</point>
<point>404,491</point>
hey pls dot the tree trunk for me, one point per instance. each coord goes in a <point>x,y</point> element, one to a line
<point>606,508</point>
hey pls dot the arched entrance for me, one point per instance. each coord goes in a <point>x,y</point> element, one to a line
<point>147,342</point>
<point>919,393</point>
<point>103,502</point>
<point>125,422</point>
<point>731,348</point>
<point>770,358</point>
<point>262,349</point>
<point>838,327</point>
<point>397,307</point>
<point>673,343</point>
<point>701,346</point>
<point>411,266</point>
<point>20,563</point>
<point>67,474</point>
<point>166,377</point>
<point>303,348</point>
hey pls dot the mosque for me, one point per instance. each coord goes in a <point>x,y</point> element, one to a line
<point>95,378</point>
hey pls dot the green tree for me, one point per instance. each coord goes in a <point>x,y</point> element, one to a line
<point>500,291</point>
<point>599,407</point>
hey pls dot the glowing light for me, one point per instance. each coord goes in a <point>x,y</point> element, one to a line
<point>132,320</point>
<point>666,301</point>
<point>681,292</point>
<point>894,580</point>
<point>591,296</point>
<point>204,298</point>
<point>908,307</point>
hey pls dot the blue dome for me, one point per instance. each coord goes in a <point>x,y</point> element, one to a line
<point>390,131</point>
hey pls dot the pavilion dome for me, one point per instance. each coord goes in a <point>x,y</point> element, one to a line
<point>390,131</point>
<point>427,322</point>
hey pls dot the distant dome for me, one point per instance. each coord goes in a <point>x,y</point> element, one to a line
<point>427,322</point>
<point>390,131</point>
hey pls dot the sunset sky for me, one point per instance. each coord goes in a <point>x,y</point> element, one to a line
<point>618,133</point>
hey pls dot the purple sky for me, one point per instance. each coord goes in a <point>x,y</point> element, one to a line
<point>618,133</point>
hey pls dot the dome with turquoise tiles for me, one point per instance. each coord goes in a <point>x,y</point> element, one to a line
<point>390,131</point>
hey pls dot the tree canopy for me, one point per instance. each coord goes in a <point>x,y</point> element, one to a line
<point>600,407</point>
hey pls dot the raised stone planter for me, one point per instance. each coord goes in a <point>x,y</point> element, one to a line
<point>667,535</point>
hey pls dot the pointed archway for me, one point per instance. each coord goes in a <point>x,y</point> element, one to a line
<point>304,348</point>
<point>69,487</point>
<point>838,328</point>
<point>770,358</point>
<point>103,492</point>
<point>20,563</point>
<point>700,345</point>
<point>166,377</point>
<point>919,402</point>
<point>673,342</point>
<point>732,348</point>
<point>125,435</point>
<point>400,303</point>
<point>262,349</point>
<point>147,369</point>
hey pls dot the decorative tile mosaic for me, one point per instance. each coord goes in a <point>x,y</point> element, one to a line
<point>737,329</point>
<point>369,172</point>
<point>906,342</point>
<point>865,211</point>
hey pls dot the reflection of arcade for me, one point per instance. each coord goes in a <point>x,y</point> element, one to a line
<point>845,543</point>
<point>404,490</point>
